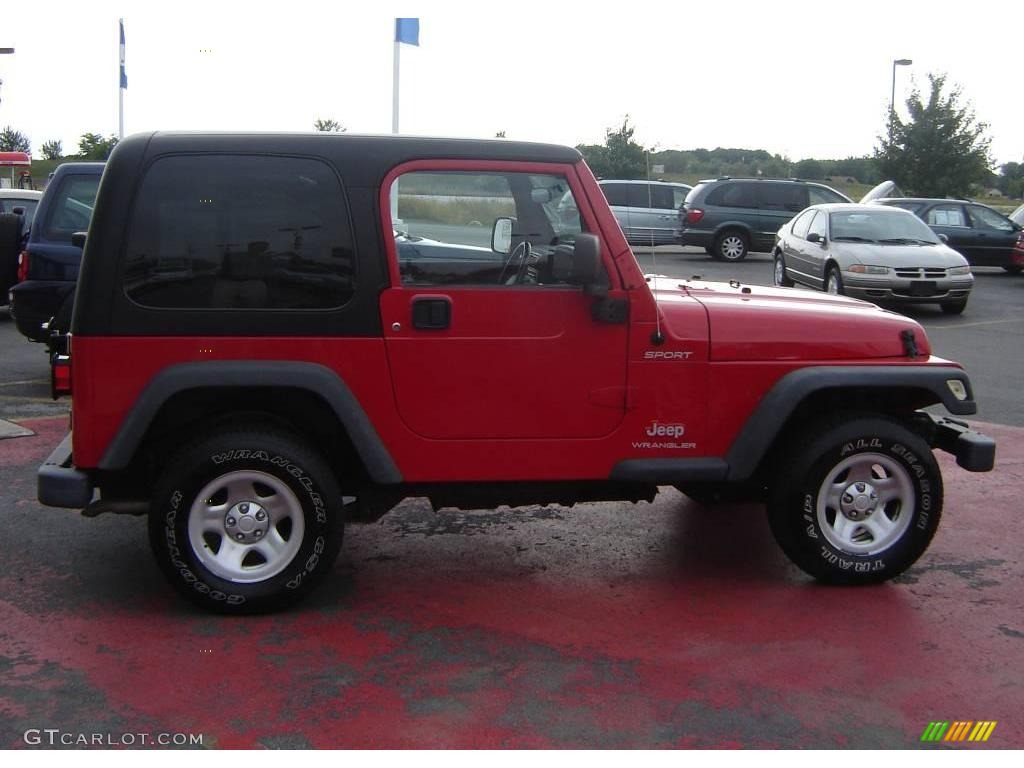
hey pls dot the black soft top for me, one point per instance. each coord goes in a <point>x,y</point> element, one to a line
<point>361,159</point>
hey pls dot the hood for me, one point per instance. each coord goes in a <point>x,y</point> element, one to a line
<point>938,255</point>
<point>885,189</point>
<point>752,322</point>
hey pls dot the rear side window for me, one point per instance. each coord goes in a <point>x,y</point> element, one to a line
<point>615,194</point>
<point>239,232</point>
<point>803,221</point>
<point>71,208</point>
<point>734,195</point>
<point>783,197</point>
<point>661,197</point>
<point>946,216</point>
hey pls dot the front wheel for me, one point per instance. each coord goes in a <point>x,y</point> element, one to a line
<point>858,500</point>
<point>833,282</point>
<point>246,521</point>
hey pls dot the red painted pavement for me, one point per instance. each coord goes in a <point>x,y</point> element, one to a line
<point>605,625</point>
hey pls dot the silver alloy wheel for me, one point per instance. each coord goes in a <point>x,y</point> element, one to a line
<point>246,526</point>
<point>732,247</point>
<point>865,504</point>
<point>832,286</point>
<point>780,271</point>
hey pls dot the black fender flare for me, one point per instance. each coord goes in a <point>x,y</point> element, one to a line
<point>311,377</point>
<point>778,404</point>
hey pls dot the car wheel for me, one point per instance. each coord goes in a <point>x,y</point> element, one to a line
<point>1014,270</point>
<point>953,307</point>
<point>857,501</point>
<point>781,279</point>
<point>833,282</point>
<point>731,246</point>
<point>246,521</point>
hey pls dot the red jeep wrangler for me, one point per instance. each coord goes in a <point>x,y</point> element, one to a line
<point>258,337</point>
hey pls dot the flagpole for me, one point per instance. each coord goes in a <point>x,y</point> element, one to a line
<point>394,103</point>
<point>120,82</point>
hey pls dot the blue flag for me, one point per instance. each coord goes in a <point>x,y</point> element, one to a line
<point>124,77</point>
<point>407,31</point>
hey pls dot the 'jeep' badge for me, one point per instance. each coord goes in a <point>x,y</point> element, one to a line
<point>666,430</point>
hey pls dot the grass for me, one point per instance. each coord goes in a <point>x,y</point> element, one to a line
<point>455,210</point>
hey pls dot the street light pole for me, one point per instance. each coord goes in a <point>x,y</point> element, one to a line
<point>896,63</point>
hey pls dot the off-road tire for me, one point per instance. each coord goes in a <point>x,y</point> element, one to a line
<point>303,492</point>
<point>802,484</point>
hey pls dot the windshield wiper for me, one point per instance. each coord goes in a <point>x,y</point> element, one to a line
<point>906,241</point>
<point>854,239</point>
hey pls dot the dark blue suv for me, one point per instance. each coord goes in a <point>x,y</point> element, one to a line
<point>48,267</point>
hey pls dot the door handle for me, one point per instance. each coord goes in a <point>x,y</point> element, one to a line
<point>431,313</point>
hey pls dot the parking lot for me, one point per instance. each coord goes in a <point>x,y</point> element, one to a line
<point>602,625</point>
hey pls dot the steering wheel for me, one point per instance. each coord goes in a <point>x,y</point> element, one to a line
<point>521,251</point>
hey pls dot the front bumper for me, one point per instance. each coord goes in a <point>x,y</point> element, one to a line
<point>59,483</point>
<point>974,451</point>
<point>888,288</point>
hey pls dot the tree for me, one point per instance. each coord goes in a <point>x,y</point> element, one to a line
<point>92,146</point>
<point>619,157</point>
<point>14,141</point>
<point>940,150</point>
<point>53,150</point>
<point>328,126</point>
<point>499,135</point>
<point>1011,179</point>
<point>809,169</point>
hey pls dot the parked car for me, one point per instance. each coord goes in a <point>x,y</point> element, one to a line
<point>1017,217</point>
<point>874,253</point>
<point>20,198</point>
<point>648,212</point>
<point>48,267</point>
<point>234,385</point>
<point>731,217</point>
<point>983,235</point>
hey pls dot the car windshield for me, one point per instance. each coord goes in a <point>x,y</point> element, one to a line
<point>887,227</point>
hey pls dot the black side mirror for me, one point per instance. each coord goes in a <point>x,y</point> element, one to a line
<point>78,239</point>
<point>943,237</point>
<point>814,237</point>
<point>582,266</point>
<point>18,210</point>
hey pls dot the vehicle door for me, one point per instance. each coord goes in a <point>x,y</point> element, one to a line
<point>663,213</point>
<point>796,251</point>
<point>643,214</point>
<point>778,203</point>
<point>950,219</point>
<point>487,345</point>
<point>994,237</point>
<point>816,253</point>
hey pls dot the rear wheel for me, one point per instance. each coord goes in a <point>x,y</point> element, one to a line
<point>781,279</point>
<point>731,245</point>
<point>246,521</point>
<point>954,307</point>
<point>857,500</point>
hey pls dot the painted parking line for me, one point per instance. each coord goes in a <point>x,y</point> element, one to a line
<point>10,429</point>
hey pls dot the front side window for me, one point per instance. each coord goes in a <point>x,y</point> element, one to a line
<point>986,219</point>
<point>819,195</point>
<point>640,196</point>
<point>946,216</point>
<point>818,225</point>
<point>734,195</point>
<point>239,232</point>
<point>443,235</point>
<point>71,209</point>
<point>783,197</point>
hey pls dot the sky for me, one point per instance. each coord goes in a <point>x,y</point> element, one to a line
<point>801,79</point>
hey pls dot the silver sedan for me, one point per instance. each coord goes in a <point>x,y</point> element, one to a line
<point>873,253</point>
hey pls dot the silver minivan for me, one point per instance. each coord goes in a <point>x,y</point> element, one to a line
<point>648,212</point>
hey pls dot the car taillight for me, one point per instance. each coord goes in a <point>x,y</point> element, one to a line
<point>23,259</point>
<point>60,375</point>
<point>1018,251</point>
<point>693,215</point>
